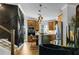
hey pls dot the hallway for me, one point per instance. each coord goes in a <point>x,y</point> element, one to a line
<point>25,29</point>
<point>28,49</point>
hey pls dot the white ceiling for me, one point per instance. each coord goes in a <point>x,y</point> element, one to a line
<point>49,10</point>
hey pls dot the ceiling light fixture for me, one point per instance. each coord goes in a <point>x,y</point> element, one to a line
<point>40,16</point>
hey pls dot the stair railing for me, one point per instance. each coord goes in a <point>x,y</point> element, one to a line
<point>12,33</point>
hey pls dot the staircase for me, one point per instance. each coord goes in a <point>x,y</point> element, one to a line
<point>5,47</point>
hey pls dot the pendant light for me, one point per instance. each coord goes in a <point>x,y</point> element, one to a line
<point>40,16</point>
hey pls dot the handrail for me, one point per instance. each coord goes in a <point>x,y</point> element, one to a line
<point>12,41</point>
<point>5,29</point>
<point>12,32</point>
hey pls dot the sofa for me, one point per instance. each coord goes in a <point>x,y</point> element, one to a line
<point>50,49</point>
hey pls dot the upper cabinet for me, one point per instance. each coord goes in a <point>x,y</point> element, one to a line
<point>37,26</point>
<point>51,25</point>
<point>33,23</point>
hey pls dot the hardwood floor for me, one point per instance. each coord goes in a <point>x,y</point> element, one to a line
<point>29,48</point>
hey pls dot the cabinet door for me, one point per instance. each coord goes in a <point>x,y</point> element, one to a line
<point>31,23</point>
<point>51,25</point>
<point>37,26</point>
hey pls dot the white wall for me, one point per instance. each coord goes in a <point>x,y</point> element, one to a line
<point>68,11</point>
<point>71,12</point>
<point>65,17</point>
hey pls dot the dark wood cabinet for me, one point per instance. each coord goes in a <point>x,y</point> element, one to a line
<point>37,26</point>
<point>33,27</point>
<point>51,25</point>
